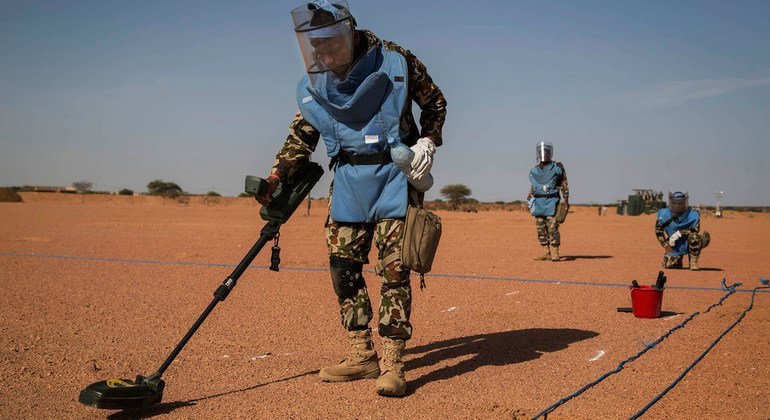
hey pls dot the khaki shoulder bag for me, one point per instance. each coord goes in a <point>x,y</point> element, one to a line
<point>422,233</point>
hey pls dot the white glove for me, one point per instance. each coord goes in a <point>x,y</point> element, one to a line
<point>673,238</point>
<point>423,158</point>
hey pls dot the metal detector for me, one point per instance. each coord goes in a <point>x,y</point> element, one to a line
<point>122,394</point>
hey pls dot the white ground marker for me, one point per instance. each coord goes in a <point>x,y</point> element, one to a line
<point>262,356</point>
<point>598,356</point>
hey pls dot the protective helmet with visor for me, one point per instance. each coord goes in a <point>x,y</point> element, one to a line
<point>678,202</point>
<point>325,31</point>
<point>544,152</point>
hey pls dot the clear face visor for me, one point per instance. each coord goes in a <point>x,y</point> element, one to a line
<point>544,151</point>
<point>678,202</point>
<point>325,35</point>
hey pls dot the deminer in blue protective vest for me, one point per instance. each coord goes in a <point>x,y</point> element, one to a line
<point>549,186</point>
<point>677,229</point>
<point>357,96</point>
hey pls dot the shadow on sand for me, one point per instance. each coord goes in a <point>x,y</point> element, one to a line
<point>165,408</point>
<point>495,349</point>
<point>585,257</point>
<point>663,314</point>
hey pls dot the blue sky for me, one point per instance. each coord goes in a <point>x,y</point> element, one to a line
<point>657,94</point>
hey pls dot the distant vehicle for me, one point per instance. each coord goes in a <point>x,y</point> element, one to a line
<point>642,201</point>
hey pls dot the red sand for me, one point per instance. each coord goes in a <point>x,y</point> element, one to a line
<point>482,348</point>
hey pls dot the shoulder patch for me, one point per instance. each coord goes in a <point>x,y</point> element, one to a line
<point>307,99</point>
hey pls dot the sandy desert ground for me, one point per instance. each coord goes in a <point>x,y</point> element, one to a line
<point>103,289</point>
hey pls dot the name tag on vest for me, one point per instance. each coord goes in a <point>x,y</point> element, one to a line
<point>371,139</point>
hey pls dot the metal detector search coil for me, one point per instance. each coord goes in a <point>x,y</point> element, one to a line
<point>124,394</point>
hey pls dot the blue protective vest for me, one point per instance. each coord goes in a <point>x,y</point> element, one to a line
<point>688,220</point>
<point>544,182</point>
<point>358,116</point>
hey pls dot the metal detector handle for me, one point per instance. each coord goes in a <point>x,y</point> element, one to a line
<point>290,192</point>
<point>269,232</point>
<point>255,185</point>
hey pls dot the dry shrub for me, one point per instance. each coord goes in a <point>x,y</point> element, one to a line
<point>9,195</point>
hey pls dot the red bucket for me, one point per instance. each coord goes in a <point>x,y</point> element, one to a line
<point>646,301</point>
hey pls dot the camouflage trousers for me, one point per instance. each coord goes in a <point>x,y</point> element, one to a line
<point>349,245</point>
<point>694,246</point>
<point>547,231</point>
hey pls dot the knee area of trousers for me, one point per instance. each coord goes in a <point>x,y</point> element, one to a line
<point>346,276</point>
<point>395,284</point>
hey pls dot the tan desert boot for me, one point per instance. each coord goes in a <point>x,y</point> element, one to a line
<point>361,364</point>
<point>554,253</point>
<point>694,263</point>
<point>392,382</point>
<point>546,254</point>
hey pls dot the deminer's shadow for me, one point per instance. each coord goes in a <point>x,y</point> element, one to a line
<point>145,413</point>
<point>585,257</point>
<point>165,408</point>
<point>495,349</point>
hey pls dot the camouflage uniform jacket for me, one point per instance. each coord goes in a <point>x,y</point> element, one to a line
<point>303,137</point>
<point>562,186</point>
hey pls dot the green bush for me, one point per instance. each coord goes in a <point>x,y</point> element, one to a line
<point>83,186</point>
<point>456,194</point>
<point>166,189</point>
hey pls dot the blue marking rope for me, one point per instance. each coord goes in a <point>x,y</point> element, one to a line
<point>439,275</point>
<point>699,358</point>
<point>730,290</point>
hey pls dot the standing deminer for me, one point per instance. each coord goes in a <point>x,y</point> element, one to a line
<point>357,96</point>
<point>548,178</point>
<point>677,229</point>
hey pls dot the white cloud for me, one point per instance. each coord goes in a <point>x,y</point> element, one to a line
<point>679,92</point>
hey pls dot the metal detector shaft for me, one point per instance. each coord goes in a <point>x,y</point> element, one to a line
<point>269,232</point>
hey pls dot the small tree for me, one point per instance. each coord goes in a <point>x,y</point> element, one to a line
<point>126,191</point>
<point>456,194</point>
<point>83,186</point>
<point>213,194</point>
<point>166,189</point>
